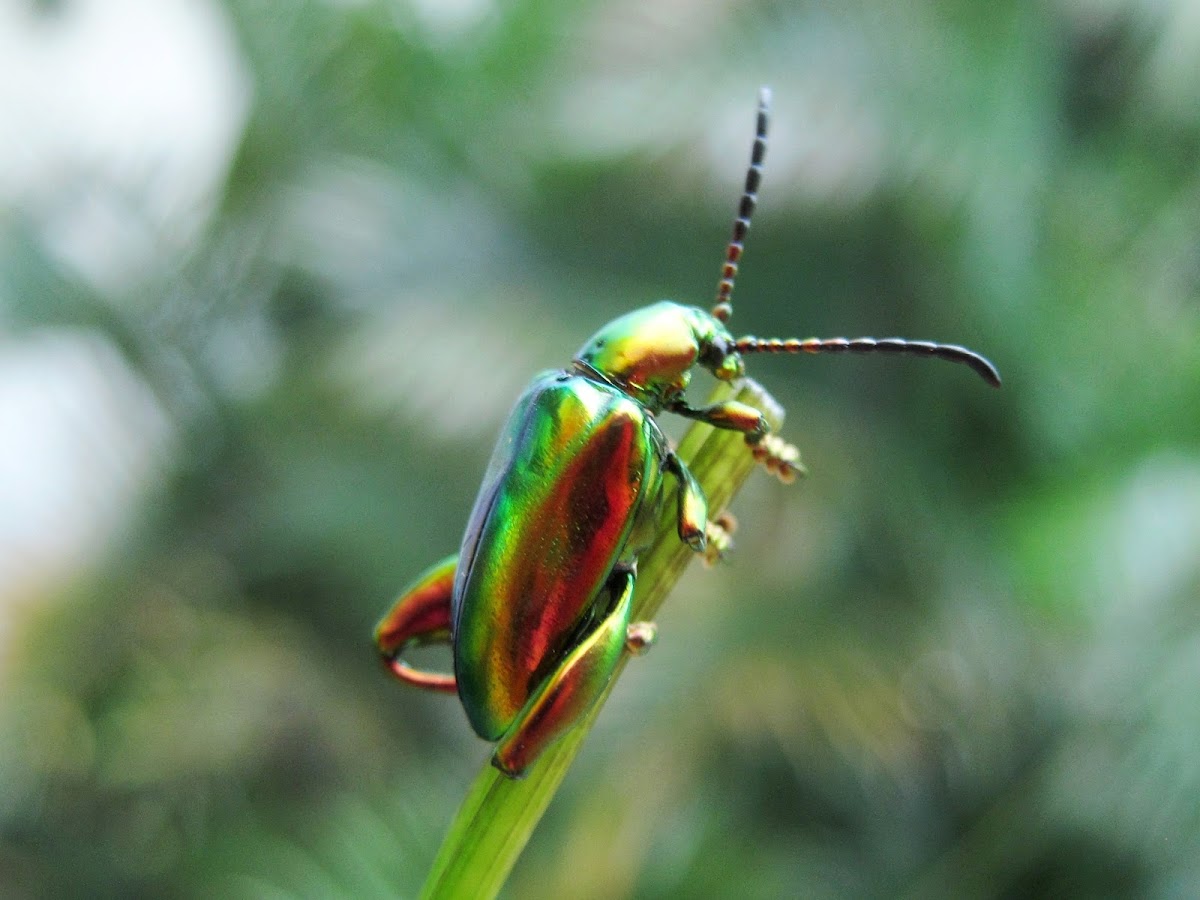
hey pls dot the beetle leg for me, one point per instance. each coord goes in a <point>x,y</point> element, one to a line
<point>781,458</point>
<point>573,688</point>
<point>421,615</point>
<point>640,637</point>
<point>730,415</point>
<point>720,538</point>
<point>693,505</point>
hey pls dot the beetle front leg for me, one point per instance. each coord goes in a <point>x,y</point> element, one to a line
<point>780,458</point>
<point>730,415</point>
<point>421,615</point>
<point>572,689</point>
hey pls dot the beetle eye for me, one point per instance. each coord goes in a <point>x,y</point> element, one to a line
<point>714,352</point>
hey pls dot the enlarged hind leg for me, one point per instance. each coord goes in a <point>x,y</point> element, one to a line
<point>421,615</point>
<point>568,692</point>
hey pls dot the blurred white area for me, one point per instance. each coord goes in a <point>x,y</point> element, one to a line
<point>1147,550</point>
<point>433,366</point>
<point>828,129</point>
<point>449,18</point>
<point>82,439</point>
<point>120,118</point>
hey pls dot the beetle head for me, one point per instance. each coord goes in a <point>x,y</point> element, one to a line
<point>650,352</point>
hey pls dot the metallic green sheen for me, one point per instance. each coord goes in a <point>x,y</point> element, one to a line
<point>569,499</point>
<point>650,352</point>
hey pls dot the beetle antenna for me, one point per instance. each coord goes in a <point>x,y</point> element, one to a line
<point>741,224</point>
<point>951,352</point>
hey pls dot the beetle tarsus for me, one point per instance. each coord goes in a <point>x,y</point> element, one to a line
<point>720,538</point>
<point>640,637</point>
<point>779,457</point>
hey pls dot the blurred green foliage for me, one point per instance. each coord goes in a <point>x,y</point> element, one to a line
<point>959,660</point>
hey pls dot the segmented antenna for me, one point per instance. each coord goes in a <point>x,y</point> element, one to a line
<point>951,352</point>
<point>733,253</point>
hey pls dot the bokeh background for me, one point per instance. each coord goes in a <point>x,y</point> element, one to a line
<point>271,275</point>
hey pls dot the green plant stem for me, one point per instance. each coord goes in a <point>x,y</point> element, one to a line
<point>499,814</point>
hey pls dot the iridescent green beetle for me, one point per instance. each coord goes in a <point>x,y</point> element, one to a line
<point>536,605</point>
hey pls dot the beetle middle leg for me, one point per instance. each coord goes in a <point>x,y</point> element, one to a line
<point>720,538</point>
<point>421,615</point>
<point>692,505</point>
<point>574,687</point>
<point>711,537</point>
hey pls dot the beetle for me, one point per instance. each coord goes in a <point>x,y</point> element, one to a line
<point>536,605</point>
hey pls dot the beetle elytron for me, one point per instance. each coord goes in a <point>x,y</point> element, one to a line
<point>536,604</point>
